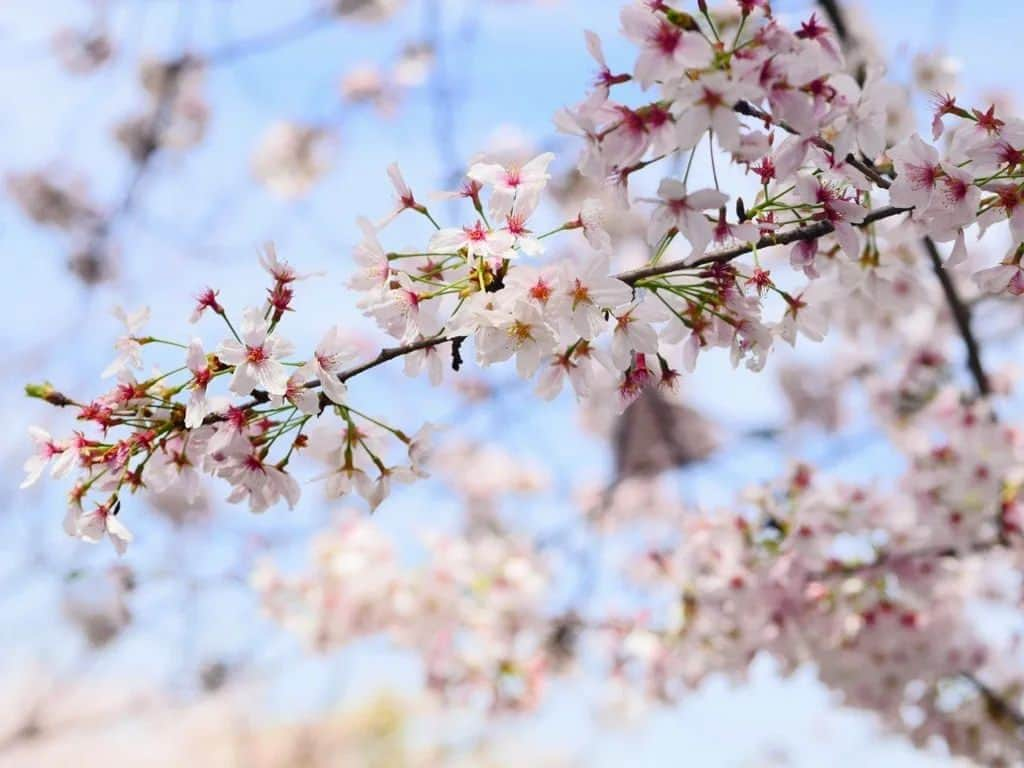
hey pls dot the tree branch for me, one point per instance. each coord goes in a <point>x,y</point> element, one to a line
<point>962,317</point>
<point>888,558</point>
<point>631,277</point>
<point>811,232</point>
<point>998,707</point>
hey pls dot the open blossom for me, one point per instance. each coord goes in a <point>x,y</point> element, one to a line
<point>525,240</point>
<point>260,483</point>
<point>300,391</point>
<point>707,104</point>
<point>176,466</point>
<point>433,360</point>
<point>279,269</point>
<point>665,49</point>
<point>685,212</point>
<point>332,355</point>
<point>520,331</point>
<point>407,311</point>
<point>592,221</point>
<point>582,364</point>
<point>841,212</point>
<point>1002,277</point>
<point>198,404</point>
<point>421,448</point>
<point>800,317</point>
<point>918,173</point>
<point>604,78</point>
<point>1009,205</point>
<point>633,331</point>
<point>128,346</point>
<point>866,116</point>
<point>256,357</point>
<point>374,267</point>
<point>404,199</point>
<point>48,450</point>
<point>518,186</point>
<point>102,521</point>
<point>584,293</point>
<point>957,203</point>
<point>479,241</point>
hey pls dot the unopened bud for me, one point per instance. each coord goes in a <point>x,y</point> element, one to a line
<point>45,391</point>
<point>682,20</point>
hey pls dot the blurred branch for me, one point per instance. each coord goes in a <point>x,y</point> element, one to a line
<point>261,43</point>
<point>998,707</point>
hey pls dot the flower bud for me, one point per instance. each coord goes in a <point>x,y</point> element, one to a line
<point>45,391</point>
<point>682,20</point>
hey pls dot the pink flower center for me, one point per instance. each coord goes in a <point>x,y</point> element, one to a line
<point>253,463</point>
<point>666,38</point>
<point>923,176</point>
<point>956,189</point>
<point>476,234</point>
<point>516,226</point>
<point>1009,197</point>
<point>256,355</point>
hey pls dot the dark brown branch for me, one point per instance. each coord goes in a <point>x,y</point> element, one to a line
<point>631,277</point>
<point>998,707</point>
<point>390,354</point>
<point>810,232</point>
<point>962,317</point>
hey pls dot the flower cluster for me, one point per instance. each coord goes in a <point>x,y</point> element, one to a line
<point>475,611</point>
<point>805,570</point>
<point>239,413</point>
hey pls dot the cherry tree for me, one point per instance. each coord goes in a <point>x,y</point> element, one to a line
<point>837,222</point>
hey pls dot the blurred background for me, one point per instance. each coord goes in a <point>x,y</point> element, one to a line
<point>151,146</point>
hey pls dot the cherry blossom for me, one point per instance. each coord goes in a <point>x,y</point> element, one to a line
<point>256,356</point>
<point>47,450</point>
<point>332,355</point>
<point>518,186</point>
<point>129,346</point>
<point>684,211</point>
<point>102,521</point>
<point>666,49</point>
